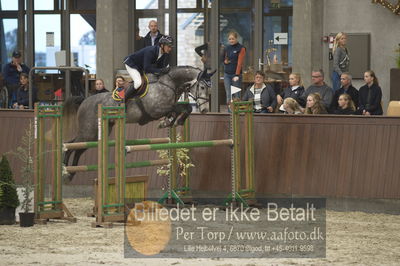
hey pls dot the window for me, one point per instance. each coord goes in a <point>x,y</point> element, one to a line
<point>83,43</point>
<point>47,38</point>
<point>146,4</point>
<point>8,34</point>
<point>9,5</point>
<point>190,35</point>
<point>278,19</point>
<point>44,5</point>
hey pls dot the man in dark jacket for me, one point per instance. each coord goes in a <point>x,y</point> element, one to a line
<point>152,59</point>
<point>263,96</point>
<point>11,74</point>
<point>346,88</point>
<point>153,36</point>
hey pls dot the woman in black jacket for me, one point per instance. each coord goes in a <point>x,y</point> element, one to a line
<point>295,90</point>
<point>345,105</point>
<point>370,96</point>
<point>263,96</point>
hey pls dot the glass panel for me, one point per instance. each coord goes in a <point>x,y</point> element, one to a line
<point>44,5</point>
<point>190,35</point>
<point>8,5</point>
<point>8,39</point>
<point>146,4</point>
<point>290,60</point>
<point>45,49</point>
<point>236,4</point>
<point>83,43</point>
<point>166,4</point>
<point>187,3</point>
<point>273,5</point>
<point>272,24</point>
<point>166,24</point>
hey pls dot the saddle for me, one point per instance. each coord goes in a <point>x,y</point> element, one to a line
<point>119,93</point>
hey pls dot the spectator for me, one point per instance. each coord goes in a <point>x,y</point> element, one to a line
<point>291,106</point>
<point>152,59</point>
<point>23,93</point>
<point>345,105</point>
<point>153,36</point>
<point>295,89</point>
<point>11,73</point>
<point>347,88</point>
<point>99,86</point>
<point>119,93</point>
<point>263,96</point>
<point>341,60</point>
<point>370,96</point>
<point>320,87</point>
<point>315,105</point>
<point>233,58</point>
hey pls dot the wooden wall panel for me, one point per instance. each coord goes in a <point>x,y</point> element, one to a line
<point>295,155</point>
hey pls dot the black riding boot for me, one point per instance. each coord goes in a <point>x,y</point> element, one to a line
<point>131,91</point>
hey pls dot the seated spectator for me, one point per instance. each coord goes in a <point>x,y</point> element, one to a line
<point>291,107</point>
<point>347,87</point>
<point>370,96</point>
<point>315,105</point>
<point>345,105</point>
<point>119,92</point>
<point>263,96</point>
<point>11,73</point>
<point>320,87</point>
<point>99,87</point>
<point>294,91</point>
<point>22,100</point>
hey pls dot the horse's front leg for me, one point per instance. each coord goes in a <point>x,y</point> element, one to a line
<point>168,120</point>
<point>185,111</point>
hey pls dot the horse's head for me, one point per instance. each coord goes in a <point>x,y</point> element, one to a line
<point>201,90</point>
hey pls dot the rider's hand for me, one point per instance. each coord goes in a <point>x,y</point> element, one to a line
<point>164,70</point>
<point>235,78</point>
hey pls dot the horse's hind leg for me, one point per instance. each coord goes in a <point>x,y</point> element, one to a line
<point>77,156</point>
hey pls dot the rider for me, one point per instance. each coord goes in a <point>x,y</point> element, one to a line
<point>151,59</point>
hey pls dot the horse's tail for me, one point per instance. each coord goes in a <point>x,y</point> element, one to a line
<point>69,121</point>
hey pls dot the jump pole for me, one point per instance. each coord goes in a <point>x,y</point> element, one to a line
<point>53,208</point>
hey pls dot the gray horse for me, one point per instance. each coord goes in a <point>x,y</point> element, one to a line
<point>160,101</point>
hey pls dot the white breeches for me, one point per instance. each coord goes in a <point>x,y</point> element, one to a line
<point>135,75</point>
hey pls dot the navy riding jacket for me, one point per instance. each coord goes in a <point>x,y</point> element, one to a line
<point>145,60</point>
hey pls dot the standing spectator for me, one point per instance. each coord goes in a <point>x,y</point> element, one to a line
<point>291,106</point>
<point>370,95</point>
<point>22,99</point>
<point>347,88</point>
<point>263,96</point>
<point>11,73</point>
<point>341,60</point>
<point>345,105</point>
<point>314,105</point>
<point>100,88</point>
<point>320,87</point>
<point>153,36</point>
<point>233,58</point>
<point>295,89</point>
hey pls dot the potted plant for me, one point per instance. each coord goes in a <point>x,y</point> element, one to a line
<point>183,161</point>
<point>8,193</point>
<point>24,153</point>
